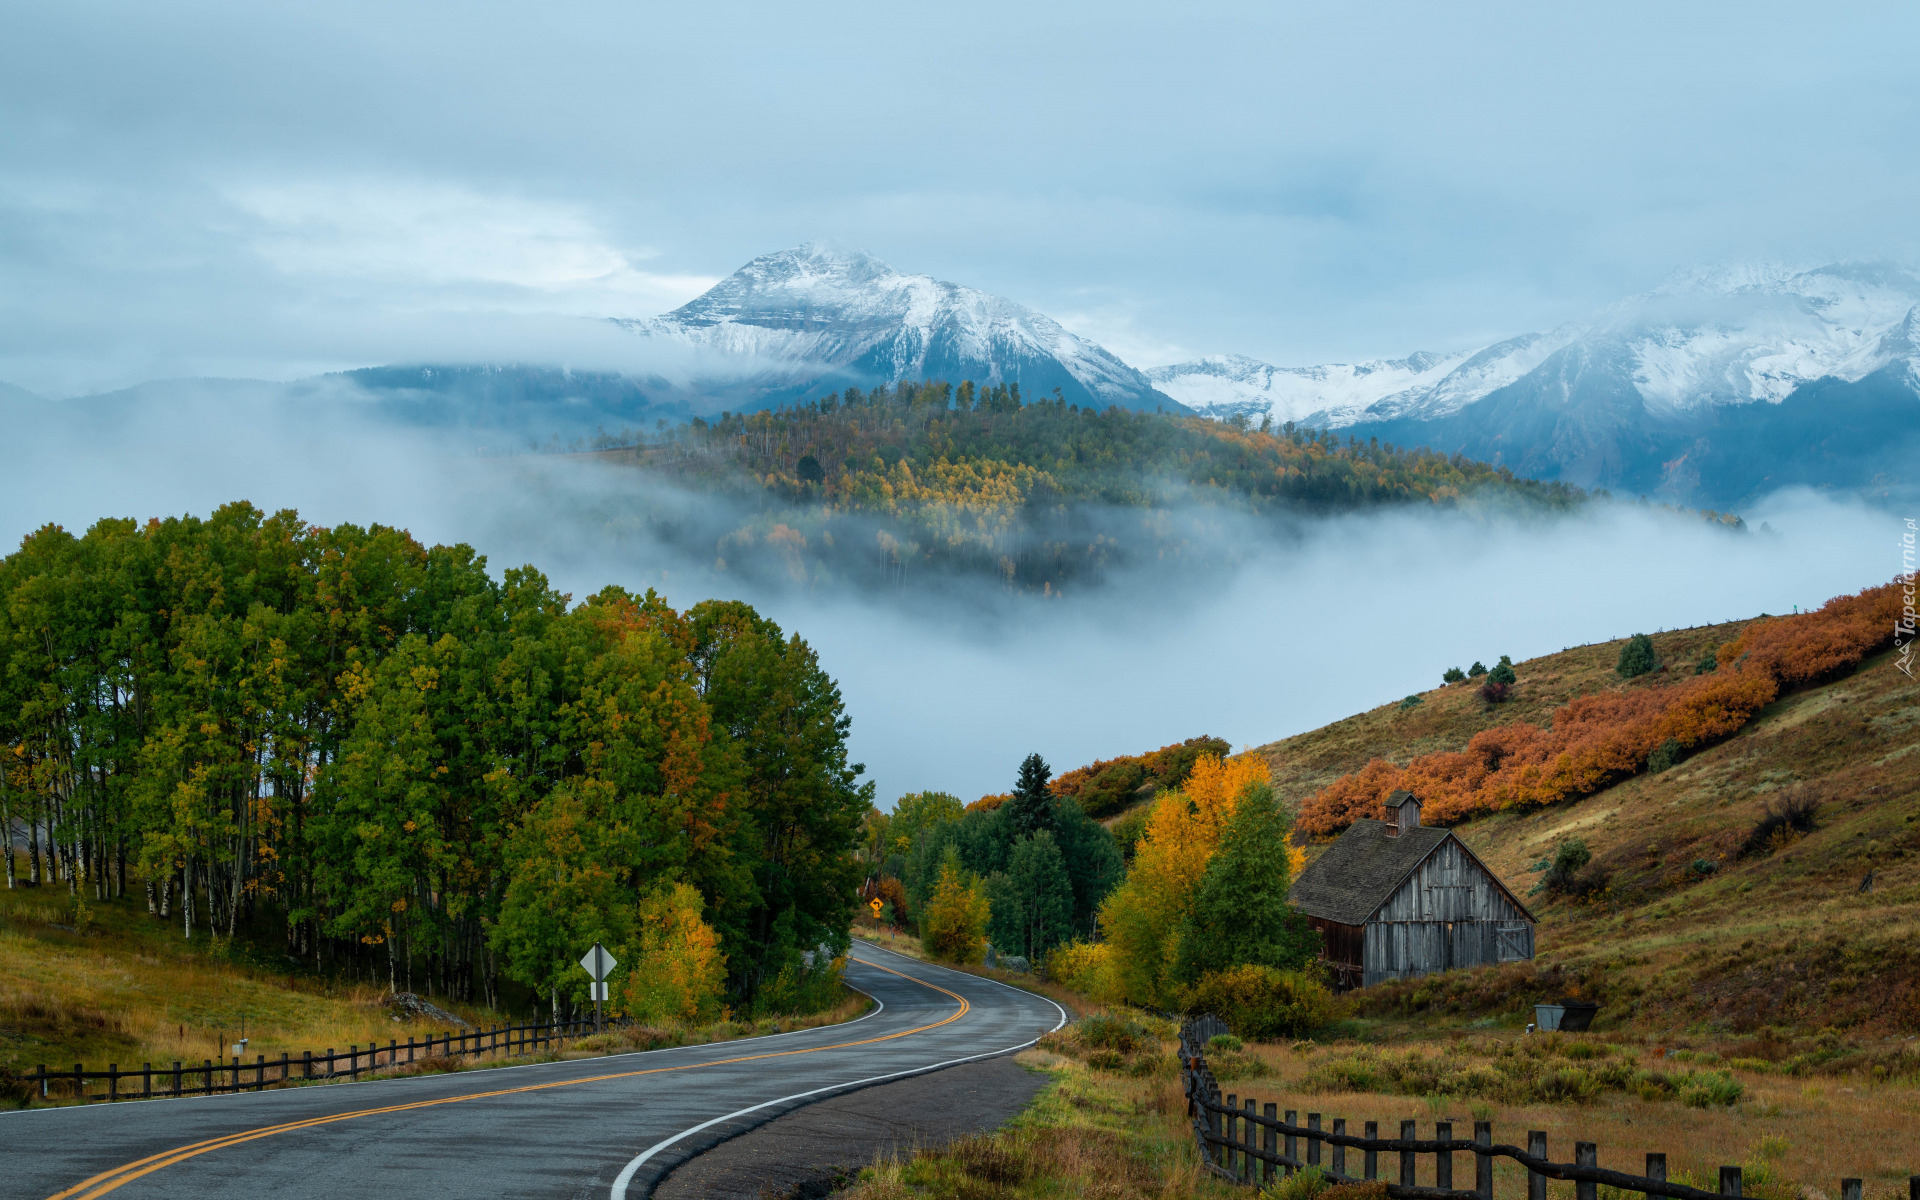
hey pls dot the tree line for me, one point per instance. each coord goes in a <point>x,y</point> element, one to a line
<point>397,764</point>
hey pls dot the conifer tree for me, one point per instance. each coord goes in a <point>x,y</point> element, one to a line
<point>1031,808</point>
<point>1240,913</point>
<point>1637,657</point>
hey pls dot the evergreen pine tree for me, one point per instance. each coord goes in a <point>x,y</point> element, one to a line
<point>1240,912</point>
<point>1031,808</point>
<point>1033,900</point>
<point>1636,657</point>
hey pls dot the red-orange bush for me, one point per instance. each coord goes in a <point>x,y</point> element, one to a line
<point>1597,740</point>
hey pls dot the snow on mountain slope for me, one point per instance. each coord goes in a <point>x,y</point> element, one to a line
<point>815,315</point>
<point>1224,384</point>
<point>1729,335</point>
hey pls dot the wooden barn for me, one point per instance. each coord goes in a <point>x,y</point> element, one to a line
<point>1394,899</point>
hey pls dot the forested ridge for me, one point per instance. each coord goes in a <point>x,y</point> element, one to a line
<point>924,478</point>
<point>409,769</point>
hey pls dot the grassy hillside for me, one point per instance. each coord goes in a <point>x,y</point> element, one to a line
<point>1690,932</point>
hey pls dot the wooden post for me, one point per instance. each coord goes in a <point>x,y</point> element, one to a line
<point>393,1053</point>
<point>1293,1141</point>
<point>306,1064</point>
<point>1536,1182</point>
<point>409,1047</point>
<point>40,1073</point>
<point>1443,1159</point>
<point>329,1062</point>
<point>1729,1181</point>
<point>1373,1156</point>
<point>146,1081</point>
<point>1313,1139</point>
<point>1849,1189</point>
<point>1250,1142</point>
<point>1339,1151</point>
<point>1270,1142</point>
<point>285,1067</point>
<point>353,1061</point>
<point>1586,1154</point>
<point>113,1082</point>
<point>1231,1124</point>
<point>260,1073</point>
<point>1913,1187</point>
<point>79,1083</point>
<point>1656,1169</point>
<point>1409,1130</point>
<point>1483,1159</point>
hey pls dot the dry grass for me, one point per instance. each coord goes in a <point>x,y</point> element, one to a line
<point>114,986</point>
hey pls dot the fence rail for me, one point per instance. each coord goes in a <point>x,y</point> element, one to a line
<point>1256,1147</point>
<point>210,1077</point>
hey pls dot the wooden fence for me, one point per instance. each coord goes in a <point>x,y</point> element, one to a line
<point>1250,1147</point>
<point>211,1077</point>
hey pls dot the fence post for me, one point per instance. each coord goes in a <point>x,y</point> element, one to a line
<point>40,1073</point>
<point>1729,1181</point>
<point>113,1082</point>
<point>1313,1139</point>
<point>1409,1130</point>
<point>1293,1141</point>
<point>1656,1169</point>
<point>260,1073</point>
<point>176,1077</point>
<point>1270,1142</point>
<point>285,1067</point>
<point>393,1053</point>
<point>146,1081</point>
<point>1586,1154</point>
<point>1373,1156</point>
<point>353,1061</point>
<point>306,1064</point>
<point>80,1082</point>
<point>1536,1182</point>
<point>329,1062</point>
<point>1230,1126</point>
<point>1443,1159</point>
<point>1849,1189</point>
<point>1250,1142</point>
<point>1913,1187</point>
<point>1339,1151</point>
<point>1483,1159</point>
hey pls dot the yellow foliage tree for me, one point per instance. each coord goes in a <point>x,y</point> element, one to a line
<point>1142,917</point>
<point>678,972</point>
<point>954,926</point>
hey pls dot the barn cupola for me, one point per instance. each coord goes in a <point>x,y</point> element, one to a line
<point>1403,813</point>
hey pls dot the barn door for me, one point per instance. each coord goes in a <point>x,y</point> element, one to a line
<point>1510,943</point>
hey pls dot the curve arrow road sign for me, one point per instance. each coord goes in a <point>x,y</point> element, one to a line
<point>608,1127</point>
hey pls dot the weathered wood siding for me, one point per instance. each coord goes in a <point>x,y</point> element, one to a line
<point>1449,913</point>
<point>1342,951</point>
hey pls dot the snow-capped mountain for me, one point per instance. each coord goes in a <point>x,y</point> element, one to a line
<point>816,317</point>
<point>1711,388</point>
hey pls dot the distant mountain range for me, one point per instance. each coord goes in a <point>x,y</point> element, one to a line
<point>1713,389</point>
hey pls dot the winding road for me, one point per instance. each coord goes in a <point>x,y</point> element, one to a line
<point>601,1127</point>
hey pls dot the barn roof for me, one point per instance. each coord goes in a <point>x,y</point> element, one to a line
<point>1360,870</point>
<point>1357,874</point>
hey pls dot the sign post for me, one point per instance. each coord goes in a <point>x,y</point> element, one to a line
<point>599,965</point>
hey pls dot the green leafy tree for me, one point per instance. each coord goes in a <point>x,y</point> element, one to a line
<point>1240,913</point>
<point>1032,901</point>
<point>953,926</point>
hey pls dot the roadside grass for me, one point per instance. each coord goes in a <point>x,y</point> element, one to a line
<point>108,984</point>
<point>1112,1123</point>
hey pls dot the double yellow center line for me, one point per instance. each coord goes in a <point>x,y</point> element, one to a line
<point>107,1181</point>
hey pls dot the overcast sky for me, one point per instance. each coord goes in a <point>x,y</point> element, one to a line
<point>249,189</point>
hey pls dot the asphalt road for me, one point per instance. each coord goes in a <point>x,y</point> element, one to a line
<point>594,1128</point>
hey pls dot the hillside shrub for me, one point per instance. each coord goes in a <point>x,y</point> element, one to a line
<point>1782,821</point>
<point>1595,740</point>
<point>1568,859</point>
<point>1411,701</point>
<point>1636,657</point>
<point>1664,756</point>
<point>1495,693</point>
<point>1502,672</point>
<point>1476,670</point>
<point>1081,966</point>
<point>1262,1003</point>
<point>1709,662</point>
<point>1453,675</point>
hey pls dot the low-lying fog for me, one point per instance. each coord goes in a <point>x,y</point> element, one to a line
<point>950,691</point>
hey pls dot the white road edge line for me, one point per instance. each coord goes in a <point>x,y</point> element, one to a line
<point>626,1175</point>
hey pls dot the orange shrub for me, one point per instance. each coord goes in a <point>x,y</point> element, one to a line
<point>1594,741</point>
